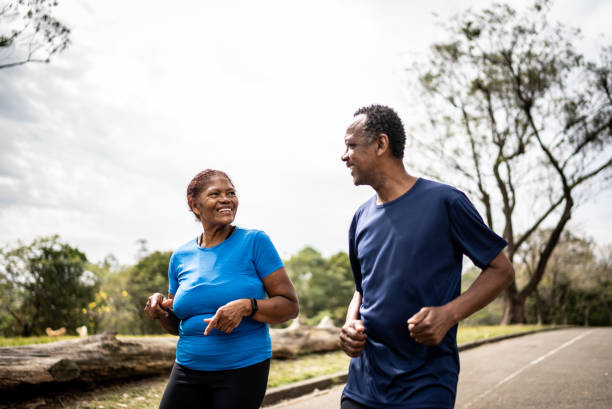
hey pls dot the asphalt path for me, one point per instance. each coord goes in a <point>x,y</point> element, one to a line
<point>562,369</point>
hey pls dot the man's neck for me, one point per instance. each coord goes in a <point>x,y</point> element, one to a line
<point>393,184</point>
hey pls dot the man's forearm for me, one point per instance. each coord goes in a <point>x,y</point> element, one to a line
<point>353,309</point>
<point>488,285</point>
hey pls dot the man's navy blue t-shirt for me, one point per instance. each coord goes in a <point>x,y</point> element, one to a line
<point>406,254</point>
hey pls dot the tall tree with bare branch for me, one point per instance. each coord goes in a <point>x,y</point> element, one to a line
<point>522,120</point>
<point>30,33</point>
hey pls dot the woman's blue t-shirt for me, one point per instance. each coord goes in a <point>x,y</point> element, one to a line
<point>204,279</point>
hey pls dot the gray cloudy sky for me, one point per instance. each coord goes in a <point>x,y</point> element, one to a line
<point>99,145</point>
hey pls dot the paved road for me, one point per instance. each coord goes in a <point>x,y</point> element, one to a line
<point>562,369</point>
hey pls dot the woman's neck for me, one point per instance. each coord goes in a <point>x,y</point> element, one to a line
<point>214,235</point>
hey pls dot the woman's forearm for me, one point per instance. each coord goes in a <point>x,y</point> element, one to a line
<point>275,310</point>
<point>169,323</point>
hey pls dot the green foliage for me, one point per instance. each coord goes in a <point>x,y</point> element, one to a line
<point>44,284</point>
<point>578,288</point>
<point>30,33</point>
<point>148,276</point>
<point>489,315</point>
<point>112,308</point>
<point>324,285</point>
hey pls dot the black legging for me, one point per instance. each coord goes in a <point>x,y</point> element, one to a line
<point>242,388</point>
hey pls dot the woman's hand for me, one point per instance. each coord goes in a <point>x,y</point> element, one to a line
<point>156,304</point>
<point>228,316</point>
<point>157,308</point>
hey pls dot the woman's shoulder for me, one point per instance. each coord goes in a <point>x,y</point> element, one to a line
<point>251,234</point>
<point>185,248</point>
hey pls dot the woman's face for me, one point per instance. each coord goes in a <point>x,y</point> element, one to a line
<point>218,203</point>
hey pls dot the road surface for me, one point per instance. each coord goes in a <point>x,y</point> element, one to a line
<point>569,368</point>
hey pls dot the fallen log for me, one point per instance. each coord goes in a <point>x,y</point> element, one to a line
<point>91,359</point>
<point>301,339</point>
<point>104,357</point>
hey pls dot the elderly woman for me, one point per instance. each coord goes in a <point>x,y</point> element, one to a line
<point>216,304</point>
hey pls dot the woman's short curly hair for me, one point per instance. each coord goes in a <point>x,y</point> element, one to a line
<point>382,119</point>
<point>199,183</point>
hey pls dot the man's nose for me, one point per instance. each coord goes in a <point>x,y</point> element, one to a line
<point>344,156</point>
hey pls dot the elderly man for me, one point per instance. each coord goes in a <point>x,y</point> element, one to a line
<point>406,246</point>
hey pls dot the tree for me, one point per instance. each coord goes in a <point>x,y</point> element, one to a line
<point>30,33</point>
<point>112,308</point>
<point>148,276</point>
<point>44,284</point>
<point>568,272</point>
<point>324,286</point>
<point>522,121</point>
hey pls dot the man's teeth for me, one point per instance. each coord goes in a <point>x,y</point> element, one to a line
<point>225,210</point>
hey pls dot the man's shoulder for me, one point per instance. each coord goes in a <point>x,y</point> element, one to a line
<point>365,205</point>
<point>439,190</point>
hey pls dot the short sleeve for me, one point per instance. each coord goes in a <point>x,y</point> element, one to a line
<point>265,255</point>
<point>473,236</point>
<point>355,265</point>
<point>172,276</point>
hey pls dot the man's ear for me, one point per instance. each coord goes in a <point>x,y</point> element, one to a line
<point>196,211</point>
<point>382,144</point>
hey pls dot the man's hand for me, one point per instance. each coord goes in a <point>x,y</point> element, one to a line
<point>155,306</point>
<point>228,316</point>
<point>430,325</point>
<point>353,338</point>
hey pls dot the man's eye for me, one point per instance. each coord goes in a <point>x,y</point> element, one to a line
<point>231,193</point>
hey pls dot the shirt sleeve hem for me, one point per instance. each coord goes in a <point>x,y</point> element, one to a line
<point>490,256</point>
<point>268,272</point>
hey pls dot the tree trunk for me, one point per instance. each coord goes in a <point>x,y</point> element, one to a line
<point>514,309</point>
<point>564,307</point>
<point>538,300</point>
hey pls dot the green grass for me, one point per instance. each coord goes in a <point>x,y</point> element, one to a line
<point>474,333</point>
<point>147,393</point>
<point>309,366</point>
<point>43,339</point>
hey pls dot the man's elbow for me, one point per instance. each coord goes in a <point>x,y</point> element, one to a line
<point>508,275</point>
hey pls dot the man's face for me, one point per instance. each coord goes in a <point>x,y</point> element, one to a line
<point>360,153</point>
